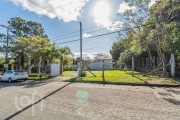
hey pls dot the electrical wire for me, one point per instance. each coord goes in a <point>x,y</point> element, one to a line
<point>88,38</point>
<point>77,35</point>
<point>94,26</point>
<point>65,38</point>
<point>50,11</point>
<point>31,13</point>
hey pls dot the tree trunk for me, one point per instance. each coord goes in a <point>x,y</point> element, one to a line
<point>172,65</point>
<point>151,58</point>
<point>61,66</point>
<point>133,66</point>
<point>103,72</point>
<point>163,61</point>
<point>22,60</point>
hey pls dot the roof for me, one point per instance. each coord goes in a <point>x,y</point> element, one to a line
<point>101,62</point>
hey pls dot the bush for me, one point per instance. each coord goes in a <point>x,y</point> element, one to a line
<point>34,75</point>
<point>83,74</point>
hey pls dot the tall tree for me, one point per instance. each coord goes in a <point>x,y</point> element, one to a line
<point>64,52</point>
<point>102,56</point>
<point>20,27</point>
<point>32,47</point>
<point>52,53</point>
<point>116,49</point>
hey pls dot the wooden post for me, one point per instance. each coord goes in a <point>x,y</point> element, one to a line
<point>163,63</point>
<point>103,72</point>
<point>172,65</point>
<point>39,68</point>
<point>29,67</point>
<point>133,66</point>
<point>146,63</point>
<point>143,64</point>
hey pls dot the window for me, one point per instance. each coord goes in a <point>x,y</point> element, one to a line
<point>10,72</point>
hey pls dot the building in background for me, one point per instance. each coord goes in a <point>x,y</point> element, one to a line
<point>98,65</point>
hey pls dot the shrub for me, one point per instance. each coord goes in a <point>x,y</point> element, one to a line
<point>34,75</point>
<point>40,75</point>
<point>83,74</point>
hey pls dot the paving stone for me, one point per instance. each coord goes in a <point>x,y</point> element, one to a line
<point>90,114</point>
<point>97,116</point>
<point>117,102</point>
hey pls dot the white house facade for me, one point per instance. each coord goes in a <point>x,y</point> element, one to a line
<point>98,65</point>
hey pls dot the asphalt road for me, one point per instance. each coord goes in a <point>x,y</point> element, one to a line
<point>53,99</point>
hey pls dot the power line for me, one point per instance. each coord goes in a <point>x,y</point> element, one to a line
<point>50,11</point>
<point>89,37</point>
<point>99,42</point>
<point>77,35</point>
<point>68,41</point>
<point>97,35</point>
<point>31,13</point>
<point>95,47</point>
<point>67,33</point>
<point>93,26</point>
<point>66,37</point>
<point>86,28</point>
<point>19,14</point>
<point>101,35</point>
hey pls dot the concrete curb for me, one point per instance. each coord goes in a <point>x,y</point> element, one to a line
<point>128,84</point>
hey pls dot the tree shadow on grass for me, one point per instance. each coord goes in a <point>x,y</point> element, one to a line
<point>176,80</point>
<point>81,80</point>
<point>144,82</point>
<point>141,80</point>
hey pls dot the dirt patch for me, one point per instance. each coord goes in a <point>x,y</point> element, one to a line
<point>167,81</point>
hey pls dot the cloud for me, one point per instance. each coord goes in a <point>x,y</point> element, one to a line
<point>101,14</point>
<point>116,25</point>
<point>86,54</point>
<point>124,6</point>
<point>152,3</point>
<point>68,9</point>
<point>86,35</point>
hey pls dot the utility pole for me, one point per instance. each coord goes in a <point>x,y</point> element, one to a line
<point>133,66</point>
<point>80,49</point>
<point>172,65</point>
<point>7,43</point>
<point>103,71</point>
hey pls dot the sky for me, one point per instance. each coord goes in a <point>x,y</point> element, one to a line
<point>97,17</point>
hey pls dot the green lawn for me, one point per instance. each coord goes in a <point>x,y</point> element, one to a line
<point>122,77</point>
<point>66,73</point>
<point>38,78</point>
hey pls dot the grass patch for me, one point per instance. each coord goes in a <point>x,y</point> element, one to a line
<point>112,77</point>
<point>66,73</point>
<point>123,77</point>
<point>38,77</point>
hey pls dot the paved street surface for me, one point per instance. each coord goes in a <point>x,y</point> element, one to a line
<point>56,100</point>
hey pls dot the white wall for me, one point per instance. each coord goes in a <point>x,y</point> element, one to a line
<point>98,66</point>
<point>55,69</point>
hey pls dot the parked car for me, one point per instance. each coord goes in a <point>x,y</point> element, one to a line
<point>13,75</point>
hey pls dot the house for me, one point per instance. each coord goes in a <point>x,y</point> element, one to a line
<point>98,65</point>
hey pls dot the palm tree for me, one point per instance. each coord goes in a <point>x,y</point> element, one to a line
<point>64,52</point>
<point>52,53</point>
